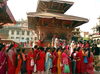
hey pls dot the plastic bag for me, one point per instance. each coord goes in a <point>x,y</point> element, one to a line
<point>34,67</point>
<point>32,62</point>
<point>66,69</point>
<point>85,59</point>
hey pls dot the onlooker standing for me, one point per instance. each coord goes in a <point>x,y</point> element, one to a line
<point>18,61</point>
<point>23,68</point>
<point>11,60</point>
<point>41,61</point>
<point>90,68</point>
<point>65,62</point>
<point>73,60</point>
<point>80,68</point>
<point>2,60</point>
<point>30,61</point>
<point>96,50</point>
<point>96,57</point>
<point>48,62</point>
<point>54,62</point>
<point>59,60</point>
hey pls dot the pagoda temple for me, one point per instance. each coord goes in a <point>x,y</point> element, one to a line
<point>5,14</point>
<point>50,21</point>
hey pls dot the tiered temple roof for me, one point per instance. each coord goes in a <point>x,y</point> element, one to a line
<point>55,9</point>
<point>5,13</point>
<point>57,6</point>
<point>50,20</point>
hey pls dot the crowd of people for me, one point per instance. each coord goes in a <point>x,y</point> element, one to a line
<point>76,58</point>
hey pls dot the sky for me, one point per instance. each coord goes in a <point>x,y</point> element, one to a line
<point>89,9</point>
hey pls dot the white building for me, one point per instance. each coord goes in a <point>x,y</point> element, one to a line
<point>20,34</point>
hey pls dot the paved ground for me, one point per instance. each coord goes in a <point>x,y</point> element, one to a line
<point>94,73</point>
<point>97,72</point>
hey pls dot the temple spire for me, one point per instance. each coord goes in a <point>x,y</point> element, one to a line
<point>54,6</point>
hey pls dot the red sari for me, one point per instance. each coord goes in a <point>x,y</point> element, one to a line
<point>18,68</point>
<point>2,62</point>
<point>54,68</point>
<point>41,61</point>
<point>87,45</point>
<point>30,62</point>
<point>11,61</point>
<point>90,65</point>
<point>64,61</point>
<point>80,66</point>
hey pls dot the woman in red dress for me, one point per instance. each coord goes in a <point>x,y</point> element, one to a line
<point>65,60</point>
<point>41,61</point>
<point>2,60</point>
<point>30,62</point>
<point>35,54</point>
<point>90,68</point>
<point>11,60</point>
<point>54,68</point>
<point>87,45</point>
<point>80,66</point>
<point>18,62</point>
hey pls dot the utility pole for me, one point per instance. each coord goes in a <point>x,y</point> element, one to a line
<point>99,25</point>
<point>99,20</point>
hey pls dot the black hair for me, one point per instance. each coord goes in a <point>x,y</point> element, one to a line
<point>58,49</point>
<point>10,47</point>
<point>74,50</point>
<point>41,48</point>
<point>95,45</point>
<point>63,49</point>
<point>47,49</point>
<point>18,50</point>
<point>32,49</point>
<point>18,53</point>
<point>78,48</point>
<point>1,46</point>
<point>89,52</point>
<point>23,50</point>
<point>35,46</point>
<point>53,49</point>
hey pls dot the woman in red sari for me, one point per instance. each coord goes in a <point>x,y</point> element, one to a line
<point>18,62</point>
<point>11,60</point>
<point>80,66</point>
<point>54,68</point>
<point>90,68</point>
<point>65,60</point>
<point>87,45</point>
<point>41,61</point>
<point>30,62</point>
<point>2,60</point>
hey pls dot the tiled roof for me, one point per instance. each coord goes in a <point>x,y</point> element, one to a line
<point>57,16</point>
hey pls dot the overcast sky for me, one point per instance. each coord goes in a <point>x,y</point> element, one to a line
<point>83,8</point>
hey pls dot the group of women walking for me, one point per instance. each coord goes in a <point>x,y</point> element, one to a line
<point>47,60</point>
